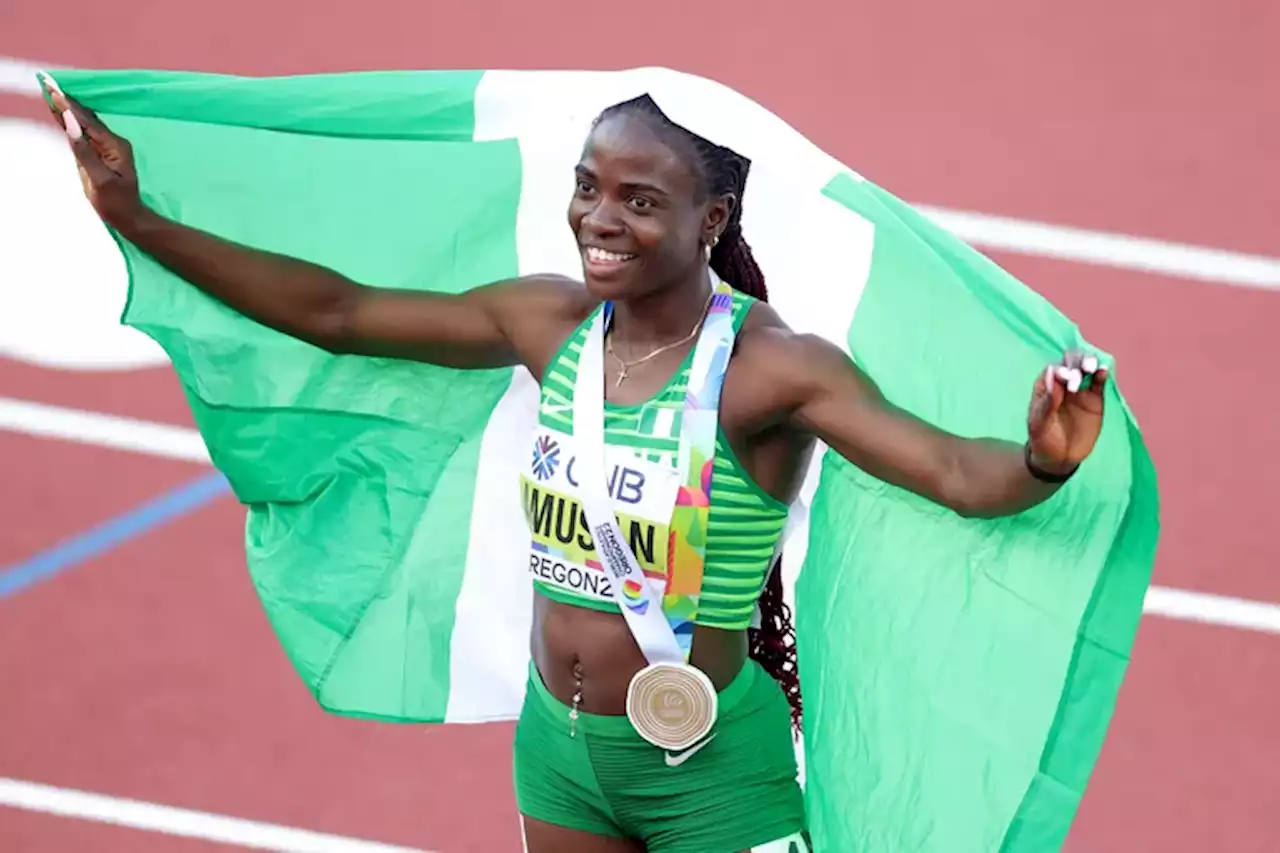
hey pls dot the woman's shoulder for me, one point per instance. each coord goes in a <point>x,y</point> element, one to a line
<point>761,332</point>
<point>781,358</point>
<point>562,294</point>
<point>549,310</point>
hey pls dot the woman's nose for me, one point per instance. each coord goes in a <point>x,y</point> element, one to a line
<point>602,218</point>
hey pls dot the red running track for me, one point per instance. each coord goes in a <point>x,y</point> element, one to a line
<point>150,673</point>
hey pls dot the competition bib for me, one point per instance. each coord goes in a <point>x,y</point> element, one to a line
<point>562,552</point>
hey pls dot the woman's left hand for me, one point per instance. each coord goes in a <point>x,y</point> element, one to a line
<point>1063,424</point>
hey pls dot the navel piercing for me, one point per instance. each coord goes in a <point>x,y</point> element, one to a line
<point>577,700</point>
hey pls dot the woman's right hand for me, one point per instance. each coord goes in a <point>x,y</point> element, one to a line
<point>105,160</point>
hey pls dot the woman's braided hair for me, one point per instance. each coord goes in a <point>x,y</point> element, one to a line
<point>722,171</point>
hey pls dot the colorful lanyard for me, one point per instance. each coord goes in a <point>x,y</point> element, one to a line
<point>664,632</point>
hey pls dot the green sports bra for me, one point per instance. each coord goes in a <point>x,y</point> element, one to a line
<point>745,523</point>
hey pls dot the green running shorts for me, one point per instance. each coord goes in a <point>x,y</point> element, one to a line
<point>735,790</point>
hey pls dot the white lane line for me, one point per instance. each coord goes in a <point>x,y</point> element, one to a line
<point>1200,263</point>
<point>168,820</point>
<point>1213,609</point>
<point>119,433</point>
<point>175,442</point>
<point>17,77</point>
<point>1108,249</point>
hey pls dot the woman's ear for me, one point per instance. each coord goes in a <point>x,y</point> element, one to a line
<point>718,216</point>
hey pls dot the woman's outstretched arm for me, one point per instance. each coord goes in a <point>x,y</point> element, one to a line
<point>818,390</point>
<point>483,327</point>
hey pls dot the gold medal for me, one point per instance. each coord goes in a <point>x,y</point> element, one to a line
<point>671,705</point>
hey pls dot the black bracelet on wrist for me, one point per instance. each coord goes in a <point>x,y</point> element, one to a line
<point>1041,474</point>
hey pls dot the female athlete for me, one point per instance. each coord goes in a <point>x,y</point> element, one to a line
<point>656,212</point>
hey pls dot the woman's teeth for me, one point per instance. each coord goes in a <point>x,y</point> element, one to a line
<point>603,256</point>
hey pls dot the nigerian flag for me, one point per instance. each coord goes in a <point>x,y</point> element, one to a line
<point>958,674</point>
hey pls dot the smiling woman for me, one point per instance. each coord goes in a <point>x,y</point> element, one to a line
<point>661,419</point>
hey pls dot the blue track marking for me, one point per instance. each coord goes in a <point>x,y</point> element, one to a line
<point>98,540</point>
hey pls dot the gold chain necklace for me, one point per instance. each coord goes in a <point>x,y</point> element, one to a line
<point>625,366</point>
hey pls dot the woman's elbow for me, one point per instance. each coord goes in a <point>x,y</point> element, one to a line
<point>966,497</point>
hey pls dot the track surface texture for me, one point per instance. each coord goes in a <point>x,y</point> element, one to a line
<point>144,669</point>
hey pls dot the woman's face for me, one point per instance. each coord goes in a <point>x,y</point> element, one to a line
<point>637,211</point>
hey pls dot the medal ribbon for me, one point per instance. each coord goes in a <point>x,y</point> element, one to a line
<point>660,620</point>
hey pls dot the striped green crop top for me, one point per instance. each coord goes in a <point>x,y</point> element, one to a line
<point>642,447</point>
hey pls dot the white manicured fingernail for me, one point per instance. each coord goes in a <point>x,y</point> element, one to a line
<point>1074,380</point>
<point>1089,364</point>
<point>1062,372</point>
<point>1048,378</point>
<point>49,82</point>
<point>72,124</point>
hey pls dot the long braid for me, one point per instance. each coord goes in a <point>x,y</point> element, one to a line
<point>772,645</point>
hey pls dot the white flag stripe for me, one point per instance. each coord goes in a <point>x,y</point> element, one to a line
<point>493,619</point>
